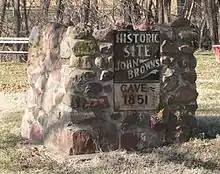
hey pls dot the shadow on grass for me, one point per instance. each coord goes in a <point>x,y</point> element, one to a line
<point>209,126</point>
<point>10,141</point>
<point>186,158</point>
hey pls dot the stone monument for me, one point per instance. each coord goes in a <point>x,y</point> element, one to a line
<point>73,98</point>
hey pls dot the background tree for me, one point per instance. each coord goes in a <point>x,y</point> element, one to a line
<point>3,4</point>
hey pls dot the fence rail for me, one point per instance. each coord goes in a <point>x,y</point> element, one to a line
<point>13,40</point>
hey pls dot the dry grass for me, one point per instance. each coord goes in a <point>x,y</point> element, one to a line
<point>196,156</point>
<point>13,76</point>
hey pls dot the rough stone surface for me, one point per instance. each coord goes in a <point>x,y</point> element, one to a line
<point>70,97</point>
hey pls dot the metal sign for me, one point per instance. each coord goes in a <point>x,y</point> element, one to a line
<point>136,56</point>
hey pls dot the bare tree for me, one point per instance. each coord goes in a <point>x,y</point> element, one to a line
<point>85,11</point>
<point>60,10</point>
<point>218,6</point>
<point>127,10</point>
<point>160,11</point>
<point>3,4</point>
<point>166,6</point>
<point>25,18</point>
<point>46,6</point>
<point>211,12</point>
<point>17,17</point>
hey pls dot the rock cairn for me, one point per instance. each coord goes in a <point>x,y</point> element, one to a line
<point>70,99</point>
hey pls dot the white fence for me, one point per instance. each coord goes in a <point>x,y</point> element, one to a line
<point>13,40</point>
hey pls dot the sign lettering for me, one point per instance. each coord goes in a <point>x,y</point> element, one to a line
<point>136,56</point>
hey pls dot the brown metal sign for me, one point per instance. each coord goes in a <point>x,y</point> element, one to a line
<point>136,56</point>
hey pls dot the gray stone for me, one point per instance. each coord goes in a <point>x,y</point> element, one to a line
<point>72,101</point>
<point>106,48</point>
<point>34,35</point>
<point>84,47</point>
<point>106,75</point>
<point>104,35</point>
<point>69,100</point>
<point>166,32</point>
<point>165,60</point>
<point>188,36</point>
<point>65,49</point>
<point>192,62</point>
<point>185,95</point>
<point>110,62</point>
<point>89,75</point>
<point>187,49</point>
<point>168,72</point>
<point>170,84</point>
<point>93,89</point>
<point>101,62</point>
<point>108,136</point>
<point>116,116</point>
<point>107,88</point>
<point>82,62</point>
<point>79,32</point>
<point>168,48</point>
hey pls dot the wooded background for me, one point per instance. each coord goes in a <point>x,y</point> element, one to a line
<point>17,17</point>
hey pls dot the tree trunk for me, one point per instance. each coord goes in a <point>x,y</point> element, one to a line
<point>25,18</point>
<point>212,20</point>
<point>46,6</point>
<point>17,17</point>
<point>166,5</point>
<point>201,33</point>
<point>137,14</point>
<point>95,9</point>
<point>190,10</point>
<point>60,9</point>
<point>160,12</point>
<point>219,22</point>
<point>215,21</point>
<point>85,11</point>
<point>127,11</point>
<point>3,4</point>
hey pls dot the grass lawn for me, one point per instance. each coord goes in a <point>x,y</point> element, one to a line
<point>13,76</point>
<point>196,156</point>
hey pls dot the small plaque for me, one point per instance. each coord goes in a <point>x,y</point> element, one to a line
<point>136,56</point>
<point>136,96</point>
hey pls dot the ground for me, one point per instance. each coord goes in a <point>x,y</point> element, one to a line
<point>200,155</point>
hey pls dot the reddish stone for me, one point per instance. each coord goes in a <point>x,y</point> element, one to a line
<point>129,141</point>
<point>36,132</point>
<point>56,75</point>
<point>185,95</point>
<point>80,117</point>
<point>37,92</point>
<point>180,22</point>
<point>144,26</point>
<point>190,76</point>
<point>101,102</point>
<point>82,143</point>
